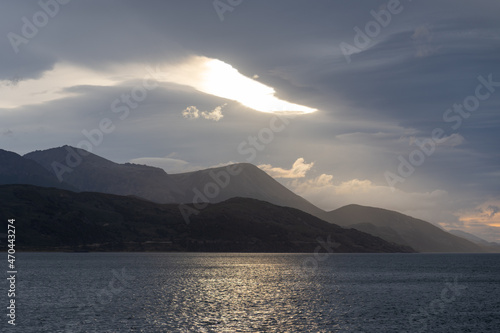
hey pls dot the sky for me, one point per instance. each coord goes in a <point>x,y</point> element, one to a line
<point>392,104</point>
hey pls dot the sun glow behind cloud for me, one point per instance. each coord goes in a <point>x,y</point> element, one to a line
<point>217,78</point>
<point>207,75</point>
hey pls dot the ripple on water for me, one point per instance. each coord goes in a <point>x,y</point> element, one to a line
<point>255,293</point>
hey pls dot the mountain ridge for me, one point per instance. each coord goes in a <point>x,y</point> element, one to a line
<point>196,189</point>
<point>15,169</point>
<point>53,220</point>
<point>488,246</point>
<point>419,234</point>
<point>90,172</point>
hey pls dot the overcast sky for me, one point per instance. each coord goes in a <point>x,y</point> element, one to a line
<point>383,103</point>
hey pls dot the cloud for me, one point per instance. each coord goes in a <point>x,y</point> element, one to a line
<point>215,114</point>
<point>422,38</point>
<point>6,132</point>
<point>482,220</point>
<point>12,82</point>
<point>172,165</point>
<point>52,85</point>
<point>452,140</point>
<point>484,213</point>
<point>328,195</point>
<point>215,77</point>
<point>192,112</point>
<point>493,210</point>
<point>298,170</point>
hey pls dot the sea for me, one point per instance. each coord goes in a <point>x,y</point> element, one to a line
<point>250,292</point>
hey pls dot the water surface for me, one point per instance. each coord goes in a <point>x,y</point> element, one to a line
<point>192,292</point>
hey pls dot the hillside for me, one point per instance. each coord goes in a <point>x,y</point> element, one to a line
<point>14,169</point>
<point>49,219</point>
<point>250,182</point>
<point>487,246</point>
<point>89,172</point>
<point>402,229</point>
<point>96,174</point>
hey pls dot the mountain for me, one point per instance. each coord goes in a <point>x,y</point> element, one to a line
<point>488,246</point>
<point>402,229</point>
<point>53,220</point>
<point>84,171</point>
<point>14,169</point>
<point>239,180</point>
<point>96,174</point>
<point>469,237</point>
<point>89,172</point>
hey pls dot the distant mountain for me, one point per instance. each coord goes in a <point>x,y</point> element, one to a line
<point>14,169</point>
<point>249,182</point>
<point>488,246</point>
<point>402,229</point>
<point>89,172</point>
<point>53,220</point>
<point>468,236</point>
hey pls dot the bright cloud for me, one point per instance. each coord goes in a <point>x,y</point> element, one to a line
<point>192,112</point>
<point>215,77</point>
<point>51,86</point>
<point>298,170</point>
<point>210,76</point>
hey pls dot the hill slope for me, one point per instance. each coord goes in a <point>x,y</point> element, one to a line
<point>14,169</point>
<point>487,246</point>
<point>52,219</point>
<point>250,182</point>
<point>97,174</point>
<point>396,227</point>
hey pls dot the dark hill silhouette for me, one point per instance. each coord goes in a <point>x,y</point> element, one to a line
<point>14,169</point>
<point>53,219</point>
<point>97,174</point>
